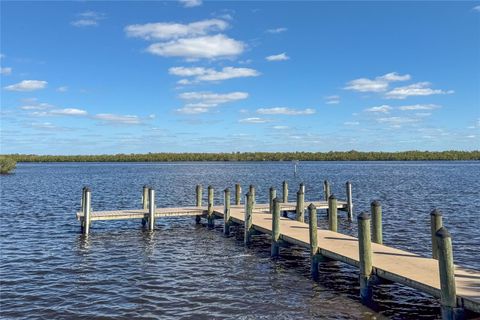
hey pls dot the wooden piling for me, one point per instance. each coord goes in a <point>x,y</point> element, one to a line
<point>302,187</point>
<point>435,225</point>
<point>332,213</point>
<point>210,217</point>
<point>248,218</point>
<point>285,191</point>
<point>376,210</point>
<point>272,195</point>
<point>313,231</point>
<point>326,189</point>
<point>86,210</point>
<point>226,212</point>
<point>83,198</point>
<point>199,196</point>
<point>448,297</point>
<point>145,204</point>
<point>300,207</point>
<point>348,186</point>
<point>151,209</point>
<point>275,251</point>
<point>238,194</point>
<point>365,256</point>
<point>251,189</point>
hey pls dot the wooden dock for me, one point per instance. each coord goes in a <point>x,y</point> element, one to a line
<point>458,288</point>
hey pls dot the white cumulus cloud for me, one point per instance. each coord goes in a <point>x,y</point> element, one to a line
<point>69,112</point>
<point>201,102</point>
<point>209,47</point>
<point>332,99</point>
<point>209,74</point>
<point>171,30</point>
<point>286,111</point>
<point>379,84</point>
<point>27,85</point>
<point>381,109</point>
<point>278,57</point>
<point>190,3</point>
<point>416,89</point>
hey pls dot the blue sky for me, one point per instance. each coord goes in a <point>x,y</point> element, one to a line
<point>186,76</point>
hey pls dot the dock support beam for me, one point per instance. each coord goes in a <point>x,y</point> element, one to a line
<point>210,217</point>
<point>435,225</point>
<point>86,210</point>
<point>376,210</point>
<point>226,212</point>
<point>285,191</point>
<point>273,195</point>
<point>199,196</point>
<point>365,257</point>
<point>300,208</point>
<point>145,204</point>
<point>348,186</point>
<point>248,218</point>
<point>238,194</point>
<point>448,298</point>
<point>151,209</point>
<point>332,213</point>
<point>275,251</point>
<point>314,253</point>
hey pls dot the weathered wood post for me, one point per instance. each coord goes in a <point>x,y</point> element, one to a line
<point>145,204</point>
<point>300,207</point>
<point>83,198</point>
<point>448,297</point>
<point>226,212</point>
<point>326,189</point>
<point>210,217</point>
<point>435,224</point>
<point>376,210</point>
<point>273,195</point>
<point>248,218</point>
<point>151,209</point>
<point>285,191</point>
<point>87,207</point>
<point>251,189</point>
<point>349,200</point>
<point>276,228</point>
<point>314,253</point>
<point>199,196</point>
<point>332,213</point>
<point>238,194</point>
<point>365,256</point>
<point>145,197</point>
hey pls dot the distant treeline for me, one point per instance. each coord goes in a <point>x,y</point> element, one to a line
<point>257,156</point>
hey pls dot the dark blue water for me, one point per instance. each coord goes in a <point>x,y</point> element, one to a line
<point>182,270</point>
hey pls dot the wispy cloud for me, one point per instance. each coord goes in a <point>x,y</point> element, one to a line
<point>62,89</point>
<point>332,99</point>
<point>277,30</point>
<point>254,120</point>
<point>203,74</point>
<point>280,127</point>
<point>6,71</point>
<point>476,8</point>
<point>382,109</point>
<point>351,123</point>
<point>416,89</point>
<point>419,107</point>
<point>171,30</point>
<point>206,47</point>
<point>379,84</point>
<point>118,119</point>
<point>88,19</point>
<point>27,85</point>
<point>69,112</point>
<point>201,102</point>
<point>278,57</point>
<point>36,106</point>
<point>190,3</point>
<point>286,111</point>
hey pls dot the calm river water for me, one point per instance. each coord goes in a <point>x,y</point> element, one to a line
<point>50,271</point>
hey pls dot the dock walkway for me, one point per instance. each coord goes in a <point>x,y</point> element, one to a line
<point>428,275</point>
